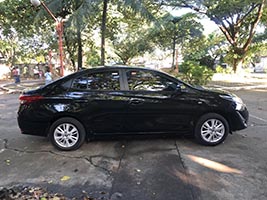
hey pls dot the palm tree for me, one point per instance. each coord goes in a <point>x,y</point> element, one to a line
<point>103,30</point>
<point>77,14</point>
<point>138,6</point>
<point>80,13</point>
<point>176,30</point>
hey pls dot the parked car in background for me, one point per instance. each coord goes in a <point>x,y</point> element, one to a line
<point>124,101</point>
<point>260,68</point>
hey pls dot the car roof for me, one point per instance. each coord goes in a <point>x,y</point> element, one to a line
<point>103,68</point>
<point>116,67</point>
<point>110,67</point>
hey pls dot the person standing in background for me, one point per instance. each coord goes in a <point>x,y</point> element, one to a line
<point>25,72</point>
<point>36,72</point>
<point>15,74</point>
<point>41,74</point>
<point>48,76</point>
<point>18,75</point>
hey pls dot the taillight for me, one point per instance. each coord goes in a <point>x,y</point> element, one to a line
<point>26,99</point>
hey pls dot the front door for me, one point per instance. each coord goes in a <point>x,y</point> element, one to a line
<point>155,106</point>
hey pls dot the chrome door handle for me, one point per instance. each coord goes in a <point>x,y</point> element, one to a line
<point>134,101</point>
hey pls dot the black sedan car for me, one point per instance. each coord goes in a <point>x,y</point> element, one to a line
<point>127,100</point>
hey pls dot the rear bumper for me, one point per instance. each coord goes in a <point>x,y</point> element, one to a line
<point>33,127</point>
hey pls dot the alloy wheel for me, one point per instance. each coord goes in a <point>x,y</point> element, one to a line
<point>212,130</point>
<point>66,135</point>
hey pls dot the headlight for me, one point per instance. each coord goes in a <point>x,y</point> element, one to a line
<point>238,102</point>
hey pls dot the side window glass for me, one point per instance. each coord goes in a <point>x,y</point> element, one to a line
<point>139,80</point>
<point>80,83</point>
<point>98,81</point>
<point>60,88</point>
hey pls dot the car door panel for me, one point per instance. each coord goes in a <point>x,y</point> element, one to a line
<point>160,112</point>
<point>155,107</point>
<point>100,104</point>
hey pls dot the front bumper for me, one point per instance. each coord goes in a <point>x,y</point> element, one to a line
<point>239,119</point>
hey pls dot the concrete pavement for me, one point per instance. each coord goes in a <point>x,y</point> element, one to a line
<point>235,82</point>
<point>140,168</point>
<point>10,87</point>
<point>113,169</point>
<point>146,169</point>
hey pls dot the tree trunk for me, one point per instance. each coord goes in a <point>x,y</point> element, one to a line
<point>69,50</point>
<point>103,31</point>
<point>235,64</point>
<point>13,57</point>
<point>173,52</point>
<point>80,47</point>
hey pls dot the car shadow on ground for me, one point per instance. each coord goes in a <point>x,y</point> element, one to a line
<point>142,137</point>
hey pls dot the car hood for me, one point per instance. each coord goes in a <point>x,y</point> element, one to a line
<point>215,91</point>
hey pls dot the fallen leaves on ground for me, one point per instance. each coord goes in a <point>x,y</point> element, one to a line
<point>65,178</point>
<point>34,193</point>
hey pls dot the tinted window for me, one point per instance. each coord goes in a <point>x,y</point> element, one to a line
<point>140,80</point>
<point>98,81</point>
<point>59,88</point>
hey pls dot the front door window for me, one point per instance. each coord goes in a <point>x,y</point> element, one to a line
<point>152,107</point>
<point>141,80</point>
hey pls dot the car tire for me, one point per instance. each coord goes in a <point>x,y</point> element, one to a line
<point>211,129</point>
<point>67,134</point>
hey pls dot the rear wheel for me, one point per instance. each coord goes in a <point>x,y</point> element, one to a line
<point>211,129</point>
<point>67,134</point>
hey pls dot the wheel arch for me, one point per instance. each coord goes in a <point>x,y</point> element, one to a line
<point>218,112</point>
<point>212,131</point>
<point>63,115</point>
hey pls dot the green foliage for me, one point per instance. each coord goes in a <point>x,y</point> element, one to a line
<point>128,34</point>
<point>224,70</point>
<point>236,19</point>
<point>16,15</point>
<point>130,48</point>
<point>16,31</point>
<point>195,74</point>
<point>206,50</point>
<point>256,51</point>
<point>27,32</point>
<point>171,29</point>
<point>80,17</point>
<point>93,59</point>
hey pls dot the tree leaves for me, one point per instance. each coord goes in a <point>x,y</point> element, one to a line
<point>236,19</point>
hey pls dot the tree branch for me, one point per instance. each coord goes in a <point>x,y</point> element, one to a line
<point>184,4</point>
<point>225,31</point>
<point>241,19</point>
<point>254,25</point>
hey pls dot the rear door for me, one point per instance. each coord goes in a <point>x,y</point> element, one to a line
<point>98,100</point>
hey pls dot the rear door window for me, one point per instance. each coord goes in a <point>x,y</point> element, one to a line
<point>103,81</point>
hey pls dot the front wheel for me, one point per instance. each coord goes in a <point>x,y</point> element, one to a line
<point>67,134</point>
<point>211,129</point>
